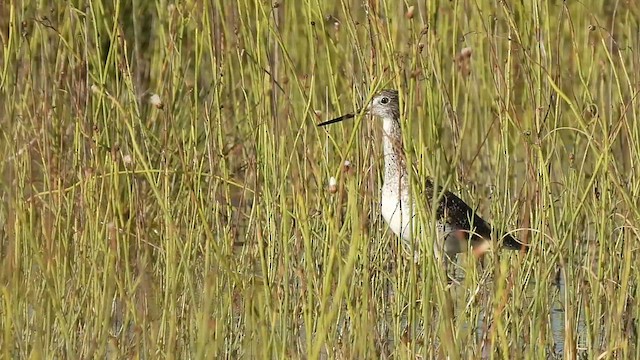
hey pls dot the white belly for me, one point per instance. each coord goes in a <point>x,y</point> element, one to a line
<point>397,212</point>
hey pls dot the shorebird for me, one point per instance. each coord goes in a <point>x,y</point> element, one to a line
<point>458,226</point>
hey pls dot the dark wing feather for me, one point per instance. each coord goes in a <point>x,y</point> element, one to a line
<point>456,213</point>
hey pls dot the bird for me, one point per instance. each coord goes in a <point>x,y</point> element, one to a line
<point>457,224</point>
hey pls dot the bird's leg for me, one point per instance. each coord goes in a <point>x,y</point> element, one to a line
<point>449,259</point>
<point>444,251</point>
<point>451,247</point>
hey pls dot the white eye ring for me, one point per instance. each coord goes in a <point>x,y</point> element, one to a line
<point>384,100</point>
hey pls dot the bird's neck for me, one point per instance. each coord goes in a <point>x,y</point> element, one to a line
<point>395,172</point>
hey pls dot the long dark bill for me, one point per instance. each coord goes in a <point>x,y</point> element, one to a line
<point>338,119</point>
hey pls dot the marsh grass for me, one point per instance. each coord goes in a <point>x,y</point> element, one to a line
<point>201,225</point>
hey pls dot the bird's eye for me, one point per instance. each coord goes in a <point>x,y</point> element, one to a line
<point>384,100</point>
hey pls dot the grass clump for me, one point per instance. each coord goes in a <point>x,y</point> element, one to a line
<point>165,189</point>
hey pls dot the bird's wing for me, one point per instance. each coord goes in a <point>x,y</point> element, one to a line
<point>456,213</point>
<point>459,216</point>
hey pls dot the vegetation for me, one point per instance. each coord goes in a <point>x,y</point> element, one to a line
<point>165,191</point>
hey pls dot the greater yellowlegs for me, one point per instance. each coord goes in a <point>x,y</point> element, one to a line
<point>458,226</point>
